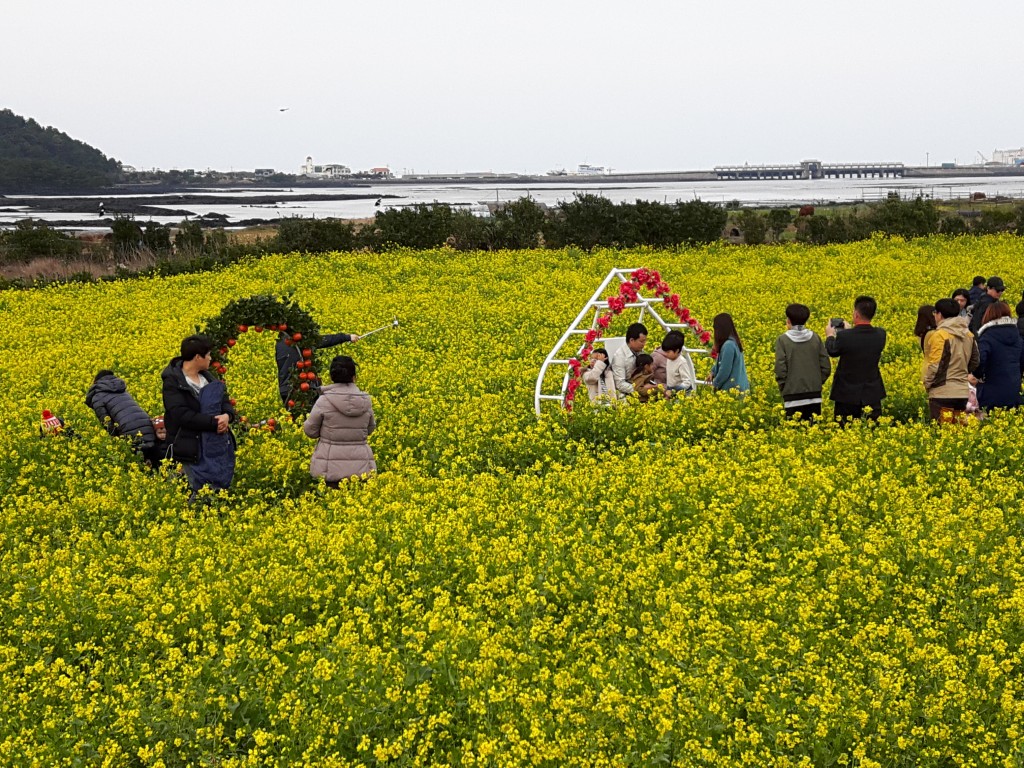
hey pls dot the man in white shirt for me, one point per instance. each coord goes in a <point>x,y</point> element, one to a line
<point>624,358</point>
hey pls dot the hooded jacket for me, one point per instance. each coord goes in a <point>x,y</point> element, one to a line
<point>118,411</point>
<point>950,353</point>
<point>1000,350</point>
<point>182,414</point>
<point>801,366</point>
<point>341,420</point>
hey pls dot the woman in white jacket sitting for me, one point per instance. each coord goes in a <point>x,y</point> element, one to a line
<point>598,378</point>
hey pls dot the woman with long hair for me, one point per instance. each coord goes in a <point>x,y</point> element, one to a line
<point>729,370</point>
<point>925,322</point>
<point>1002,358</point>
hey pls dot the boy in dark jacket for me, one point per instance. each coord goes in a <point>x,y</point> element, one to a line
<point>801,365</point>
<point>119,413</point>
<point>183,381</point>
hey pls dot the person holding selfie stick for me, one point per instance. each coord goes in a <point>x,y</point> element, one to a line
<point>857,384</point>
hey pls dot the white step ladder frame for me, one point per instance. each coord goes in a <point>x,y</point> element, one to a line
<point>596,304</point>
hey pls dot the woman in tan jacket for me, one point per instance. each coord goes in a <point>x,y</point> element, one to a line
<point>341,420</point>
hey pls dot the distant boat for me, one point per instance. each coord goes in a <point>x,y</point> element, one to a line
<point>583,169</point>
<point>557,172</point>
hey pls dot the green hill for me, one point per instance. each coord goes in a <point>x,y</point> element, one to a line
<point>38,159</point>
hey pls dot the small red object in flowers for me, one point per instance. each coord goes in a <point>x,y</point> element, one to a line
<point>283,327</point>
<point>307,353</point>
<point>574,364</point>
<point>243,328</point>
<point>296,337</point>
<point>231,342</point>
<point>231,400</point>
<point>271,423</point>
<point>223,350</point>
<point>272,327</point>
<point>585,353</point>
<point>304,387</point>
<point>591,336</point>
<point>258,329</point>
<point>604,321</point>
<point>692,322</point>
<point>291,403</point>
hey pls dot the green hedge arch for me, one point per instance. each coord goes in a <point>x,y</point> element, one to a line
<point>268,313</point>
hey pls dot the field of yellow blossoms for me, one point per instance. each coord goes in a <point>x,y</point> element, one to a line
<point>689,583</point>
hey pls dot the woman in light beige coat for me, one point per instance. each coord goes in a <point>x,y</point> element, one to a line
<point>341,420</point>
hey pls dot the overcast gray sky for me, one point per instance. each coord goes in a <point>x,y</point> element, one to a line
<point>519,86</point>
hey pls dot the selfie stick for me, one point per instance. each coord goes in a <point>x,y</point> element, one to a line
<point>392,324</point>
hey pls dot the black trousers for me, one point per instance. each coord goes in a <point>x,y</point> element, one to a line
<point>846,411</point>
<point>803,412</point>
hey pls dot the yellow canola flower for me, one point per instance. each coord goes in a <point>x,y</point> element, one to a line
<point>685,583</point>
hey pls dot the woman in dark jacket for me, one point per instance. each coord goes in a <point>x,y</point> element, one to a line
<point>118,412</point>
<point>183,380</point>
<point>1002,359</point>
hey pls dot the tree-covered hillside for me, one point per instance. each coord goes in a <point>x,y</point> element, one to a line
<point>38,159</point>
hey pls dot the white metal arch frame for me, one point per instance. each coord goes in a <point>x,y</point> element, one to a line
<point>565,349</point>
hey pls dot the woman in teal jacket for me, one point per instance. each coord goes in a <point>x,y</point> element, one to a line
<point>729,370</point>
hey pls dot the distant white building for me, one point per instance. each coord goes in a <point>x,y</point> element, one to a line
<point>333,171</point>
<point>1008,156</point>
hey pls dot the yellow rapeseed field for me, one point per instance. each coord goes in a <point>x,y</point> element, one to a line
<point>694,583</point>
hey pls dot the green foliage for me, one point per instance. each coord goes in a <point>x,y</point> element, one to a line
<point>953,225</point>
<point>517,225</point>
<point>754,226</point>
<point>32,239</point>
<point>589,221</point>
<point>917,218</point>
<point>126,235</point>
<point>189,237</point>
<point>157,237</point>
<point>268,312</point>
<point>422,226</point>
<point>38,159</point>
<point>313,236</point>
<point>995,220</point>
<point>779,220</point>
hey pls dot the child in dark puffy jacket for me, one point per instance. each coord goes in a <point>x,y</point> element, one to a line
<point>119,413</point>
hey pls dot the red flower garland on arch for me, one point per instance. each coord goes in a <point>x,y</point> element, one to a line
<point>629,292</point>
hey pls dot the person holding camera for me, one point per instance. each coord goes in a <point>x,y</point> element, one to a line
<point>857,384</point>
<point>950,354</point>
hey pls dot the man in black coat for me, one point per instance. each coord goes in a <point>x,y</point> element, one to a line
<point>287,355</point>
<point>183,380</point>
<point>857,383</point>
<point>993,293</point>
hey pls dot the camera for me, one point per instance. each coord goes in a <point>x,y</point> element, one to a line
<point>837,322</point>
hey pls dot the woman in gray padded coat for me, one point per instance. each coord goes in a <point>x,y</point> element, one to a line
<point>341,420</point>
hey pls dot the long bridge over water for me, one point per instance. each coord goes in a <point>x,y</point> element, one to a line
<point>811,169</point>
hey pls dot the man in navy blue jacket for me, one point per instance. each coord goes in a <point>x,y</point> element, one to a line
<point>857,383</point>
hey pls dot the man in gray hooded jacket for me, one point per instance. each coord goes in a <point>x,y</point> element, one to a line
<point>801,365</point>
